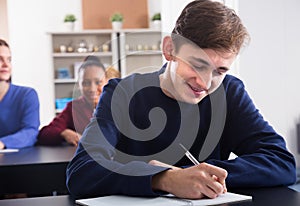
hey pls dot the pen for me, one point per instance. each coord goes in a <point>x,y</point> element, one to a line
<point>190,156</point>
<point>195,161</point>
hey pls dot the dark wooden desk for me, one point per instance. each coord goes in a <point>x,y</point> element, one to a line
<point>279,196</point>
<point>36,170</point>
<point>63,200</point>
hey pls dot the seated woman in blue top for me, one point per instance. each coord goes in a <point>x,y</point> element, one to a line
<point>19,107</point>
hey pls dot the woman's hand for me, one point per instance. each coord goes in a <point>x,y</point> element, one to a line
<point>71,136</point>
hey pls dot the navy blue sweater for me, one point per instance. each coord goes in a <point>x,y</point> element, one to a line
<point>136,122</point>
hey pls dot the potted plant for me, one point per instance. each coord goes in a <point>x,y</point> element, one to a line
<point>156,21</point>
<point>69,22</point>
<point>117,21</point>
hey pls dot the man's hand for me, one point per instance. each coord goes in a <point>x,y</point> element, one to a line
<point>194,182</point>
<point>71,136</point>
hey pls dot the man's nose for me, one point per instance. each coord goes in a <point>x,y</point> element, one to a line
<point>204,79</point>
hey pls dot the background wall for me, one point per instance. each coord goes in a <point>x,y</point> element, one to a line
<point>95,16</point>
<point>268,66</point>
<point>3,20</point>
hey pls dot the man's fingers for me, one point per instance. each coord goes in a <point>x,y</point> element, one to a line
<point>216,186</point>
<point>214,178</point>
<point>220,173</point>
<point>223,184</point>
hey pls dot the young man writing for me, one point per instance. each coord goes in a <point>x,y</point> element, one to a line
<point>132,145</point>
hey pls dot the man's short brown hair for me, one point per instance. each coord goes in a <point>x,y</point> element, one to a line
<point>210,24</point>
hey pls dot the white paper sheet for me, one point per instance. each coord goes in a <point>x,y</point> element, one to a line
<point>117,200</point>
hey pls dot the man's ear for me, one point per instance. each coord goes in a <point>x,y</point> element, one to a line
<point>168,48</point>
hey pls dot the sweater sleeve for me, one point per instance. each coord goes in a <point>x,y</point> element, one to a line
<point>106,176</point>
<point>50,134</point>
<point>30,120</point>
<point>96,156</point>
<point>263,159</point>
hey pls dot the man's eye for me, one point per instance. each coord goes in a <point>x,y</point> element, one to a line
<point>200,68</point>
<point>222,70</point>
<point>98,82</point>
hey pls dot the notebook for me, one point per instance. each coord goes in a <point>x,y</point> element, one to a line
<point>117,200</point>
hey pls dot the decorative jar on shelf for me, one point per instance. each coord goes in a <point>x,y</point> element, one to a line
<point>156,24</point>
<point>117,25</point>
<point>69,26</point>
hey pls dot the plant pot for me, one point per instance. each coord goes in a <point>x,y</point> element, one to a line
<point>69,26</point>
<point>156,24</point>
<point>117,25</point>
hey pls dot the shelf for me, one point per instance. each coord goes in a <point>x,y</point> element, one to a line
<point>143,52</point>
<point>83,32</point>
<point>63,81</point>
<point>104,31</point>
<point>145,30</point>
<point>75,54</point>
<point>136,58</point>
